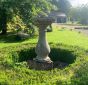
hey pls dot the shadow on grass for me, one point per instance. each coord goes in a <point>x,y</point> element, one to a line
<point>28,54</point>
<point>60,57</point>
<point>63,55</point>
<point>11,38</point>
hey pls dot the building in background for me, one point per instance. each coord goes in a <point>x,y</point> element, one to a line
<point>58,16</point>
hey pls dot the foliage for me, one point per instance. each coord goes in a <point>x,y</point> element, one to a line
<point>13,67</point>
<point>26,10</point>
<point>62,5</point>
<point>80,14</point>
<point>74,14</point>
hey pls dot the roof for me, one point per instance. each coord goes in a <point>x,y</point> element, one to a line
<point>61,15</point>
<point>57,14</point>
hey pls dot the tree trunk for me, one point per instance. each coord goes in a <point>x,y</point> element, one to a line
<point>3,21</point>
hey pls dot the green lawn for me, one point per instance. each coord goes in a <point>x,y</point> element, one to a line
<point>57,36</point>
<point>69,38</point>
<point>66,46</point>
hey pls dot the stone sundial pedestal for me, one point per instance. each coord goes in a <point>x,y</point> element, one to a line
<point>42,60</point>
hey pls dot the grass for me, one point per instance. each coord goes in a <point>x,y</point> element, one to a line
<point>66,46</point>
<point>14,70</point>
<point>68,37</point>
<point>57,36</point>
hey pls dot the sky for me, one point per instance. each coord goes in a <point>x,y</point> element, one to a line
<point>78,2</point>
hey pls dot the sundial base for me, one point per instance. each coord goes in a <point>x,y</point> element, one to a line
<point>38,65</point>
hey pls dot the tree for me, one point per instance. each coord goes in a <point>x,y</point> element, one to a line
<point>3,20</point>
<point>74,14</point>
<point>80,14</point>
<point>25,9</point>
<point>83,16</point>
<point>62,5</point>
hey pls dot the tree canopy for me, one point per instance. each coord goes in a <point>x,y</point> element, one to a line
<point>80,14</point>
<point>25,9</point>
<point>62,5</point>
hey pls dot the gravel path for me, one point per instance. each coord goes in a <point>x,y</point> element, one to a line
<point>81,29</point>
<point>84,31</point>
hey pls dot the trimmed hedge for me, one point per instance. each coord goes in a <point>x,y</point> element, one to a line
<point>14,69</point>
